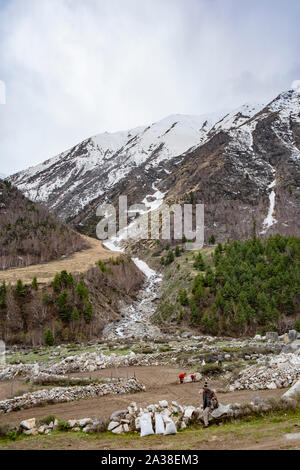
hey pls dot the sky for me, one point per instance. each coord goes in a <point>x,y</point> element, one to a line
<point>70,69</point>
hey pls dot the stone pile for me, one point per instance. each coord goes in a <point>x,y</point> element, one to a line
<point>129,420</point>
<point>32,427</point>
<point>8,372</point>
<point>280,371</point>
<point>89,362</point>
<point>65,394</point>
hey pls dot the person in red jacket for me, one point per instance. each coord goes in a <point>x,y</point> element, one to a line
<point>181,377</point>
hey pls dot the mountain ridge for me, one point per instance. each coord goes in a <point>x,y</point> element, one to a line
<point>246,149</point>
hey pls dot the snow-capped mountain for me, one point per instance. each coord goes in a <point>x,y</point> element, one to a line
<point>242,165</point>
<point>70,181</point>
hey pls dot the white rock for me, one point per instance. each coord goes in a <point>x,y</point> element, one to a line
<point>163,404</point>
<point>118,430</point>
<point>84,422</point>
<point>28,424</point>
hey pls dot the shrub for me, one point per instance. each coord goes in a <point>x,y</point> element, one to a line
<point>34,284</point>
<point>170,258</point>
<point>63,426</point>
<point>82,291</point>
<point>47,298</point>
<point>101,265</point>
<point>297,325</point>
<point>199,262</point>
<point>183,297</point>
<point>49,338</point>
<point>88,313</point>
<point>212,240</point>
<point>211,369</point>
<point>12,435</point>
<point>20,288</point>
<point>47,420</point>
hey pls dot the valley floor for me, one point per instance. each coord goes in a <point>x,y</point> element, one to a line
<point>77,263</point>
<point>161,384</point>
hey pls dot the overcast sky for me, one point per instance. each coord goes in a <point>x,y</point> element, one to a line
<point>75,68</point>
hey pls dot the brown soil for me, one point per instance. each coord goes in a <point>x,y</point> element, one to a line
<point>161,383</point>
<point>77,263</point>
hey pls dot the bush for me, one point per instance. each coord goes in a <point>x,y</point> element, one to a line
<point>211,370</point>
<point>101,265</point>
<point>34,284</point>
<point>20,288</point>
<point>297,325</point>
<point>183,297</point>
<point>212,240</point>
<point>12,435</point>
<point>88,313</point>
<point>199,262</point>
<point>47,420</point>
<point>82,291</point>
<point>63,426</point>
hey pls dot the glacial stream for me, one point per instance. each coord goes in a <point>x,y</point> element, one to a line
<point>136,316</point>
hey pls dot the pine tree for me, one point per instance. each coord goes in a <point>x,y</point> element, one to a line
<point>34,284</point>
<point>199,262</point>
<point>49,338</point>
<point>20,288</point>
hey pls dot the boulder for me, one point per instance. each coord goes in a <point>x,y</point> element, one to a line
<point>118,430</point>
<point>293,392</point>
<point>272,335</point>
<point>72,423</point>
<point>117,415</point>
<point>163,404</point>
<point>221,411</point>
<point>292,334</point>
<point>84,422</point>
<point>112,425</point>
<point>31,432</point>
<point>28,424</point>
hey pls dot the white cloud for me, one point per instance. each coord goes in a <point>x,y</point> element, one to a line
<point>2,92</point>
<point>75,68</point>
<point>296,85</point>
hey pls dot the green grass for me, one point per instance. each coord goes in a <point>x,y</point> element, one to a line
<point>247,429</point>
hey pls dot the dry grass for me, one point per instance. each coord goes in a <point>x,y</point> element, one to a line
<point>77,263</point>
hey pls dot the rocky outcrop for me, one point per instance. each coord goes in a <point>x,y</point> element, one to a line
<point>278,372</point>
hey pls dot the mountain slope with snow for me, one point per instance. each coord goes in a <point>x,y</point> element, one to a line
<point>243,165</point>
<point>68,182</point>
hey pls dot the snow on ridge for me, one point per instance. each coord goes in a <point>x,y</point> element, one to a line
<point>270,219</point>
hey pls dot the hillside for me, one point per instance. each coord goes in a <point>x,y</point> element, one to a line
<point>29,234</point>
<point>75,307</point>
<point>240,288</point>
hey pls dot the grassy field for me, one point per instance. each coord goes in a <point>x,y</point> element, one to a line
<point>268,432</point>
<point>77,263</point>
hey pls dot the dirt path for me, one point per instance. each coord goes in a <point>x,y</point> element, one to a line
<point>160,383</point>
<point>77,263</point>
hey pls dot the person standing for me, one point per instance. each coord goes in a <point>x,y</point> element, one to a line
<point>210,402</point>
<point>220,360</point>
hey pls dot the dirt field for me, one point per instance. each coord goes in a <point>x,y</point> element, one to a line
<point>77,263</point>
<point>160,383</point>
